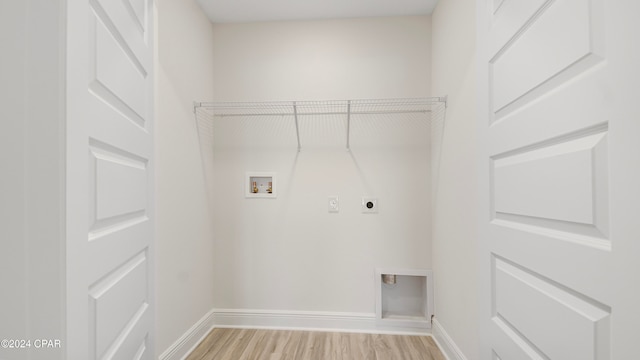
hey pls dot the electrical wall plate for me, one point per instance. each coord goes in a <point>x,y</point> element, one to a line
<point>369,205</point>
<point>334,204</point>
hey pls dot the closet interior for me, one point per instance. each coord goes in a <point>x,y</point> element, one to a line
<point>293,183</point>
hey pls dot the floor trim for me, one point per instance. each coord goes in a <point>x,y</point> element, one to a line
<point>278,320</point>
<point>190,339</point>
<point>449,348</point>
<point>309,320</point>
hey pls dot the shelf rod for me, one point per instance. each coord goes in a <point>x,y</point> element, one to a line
<point>348,123</point>
<point>383,112</point>
<point>295,114</point>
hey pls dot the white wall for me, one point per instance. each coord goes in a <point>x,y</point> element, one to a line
<point>32,155</point>
<point>454,221</point>
<point>289,253</point>
<point>323,60</point>
<point>184,245</point>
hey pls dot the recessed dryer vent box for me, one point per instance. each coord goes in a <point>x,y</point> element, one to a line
<point>407,301</point>
<point>260,185</point>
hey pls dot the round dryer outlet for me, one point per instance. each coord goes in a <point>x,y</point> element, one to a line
<point>369,205</point>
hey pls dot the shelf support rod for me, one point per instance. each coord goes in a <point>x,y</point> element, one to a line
<point>348,124</point>
<point>295,115</point>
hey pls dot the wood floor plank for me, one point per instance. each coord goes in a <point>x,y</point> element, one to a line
<point>290,341</point>
<point>235,346</point>
<point>252,344</point>
<point>212,344</point>
<point>259,346</point>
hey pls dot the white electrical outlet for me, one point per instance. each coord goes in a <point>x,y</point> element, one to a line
<point>334,204</point>
<point>369,205</point>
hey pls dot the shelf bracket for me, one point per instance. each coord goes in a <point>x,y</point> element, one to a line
<point>295,115</point>
<point>348,124</point>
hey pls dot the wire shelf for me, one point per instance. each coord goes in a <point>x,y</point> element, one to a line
<point>330,109</point>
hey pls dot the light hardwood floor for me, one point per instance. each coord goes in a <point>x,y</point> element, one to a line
<point>252,344</point>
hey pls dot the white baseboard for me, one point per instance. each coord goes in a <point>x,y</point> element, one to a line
<point>446,343</point>
<point>190,339</point>
<point>278,319</point>
<point>309,320</point>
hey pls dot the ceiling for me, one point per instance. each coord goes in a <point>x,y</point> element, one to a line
<point>228,11</point>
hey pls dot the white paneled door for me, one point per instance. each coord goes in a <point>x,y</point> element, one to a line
<point>110,179</point>
<point>559,179</point>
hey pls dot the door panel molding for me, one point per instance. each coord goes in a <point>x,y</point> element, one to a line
<point>556,239</point>
<point>111,217</point>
